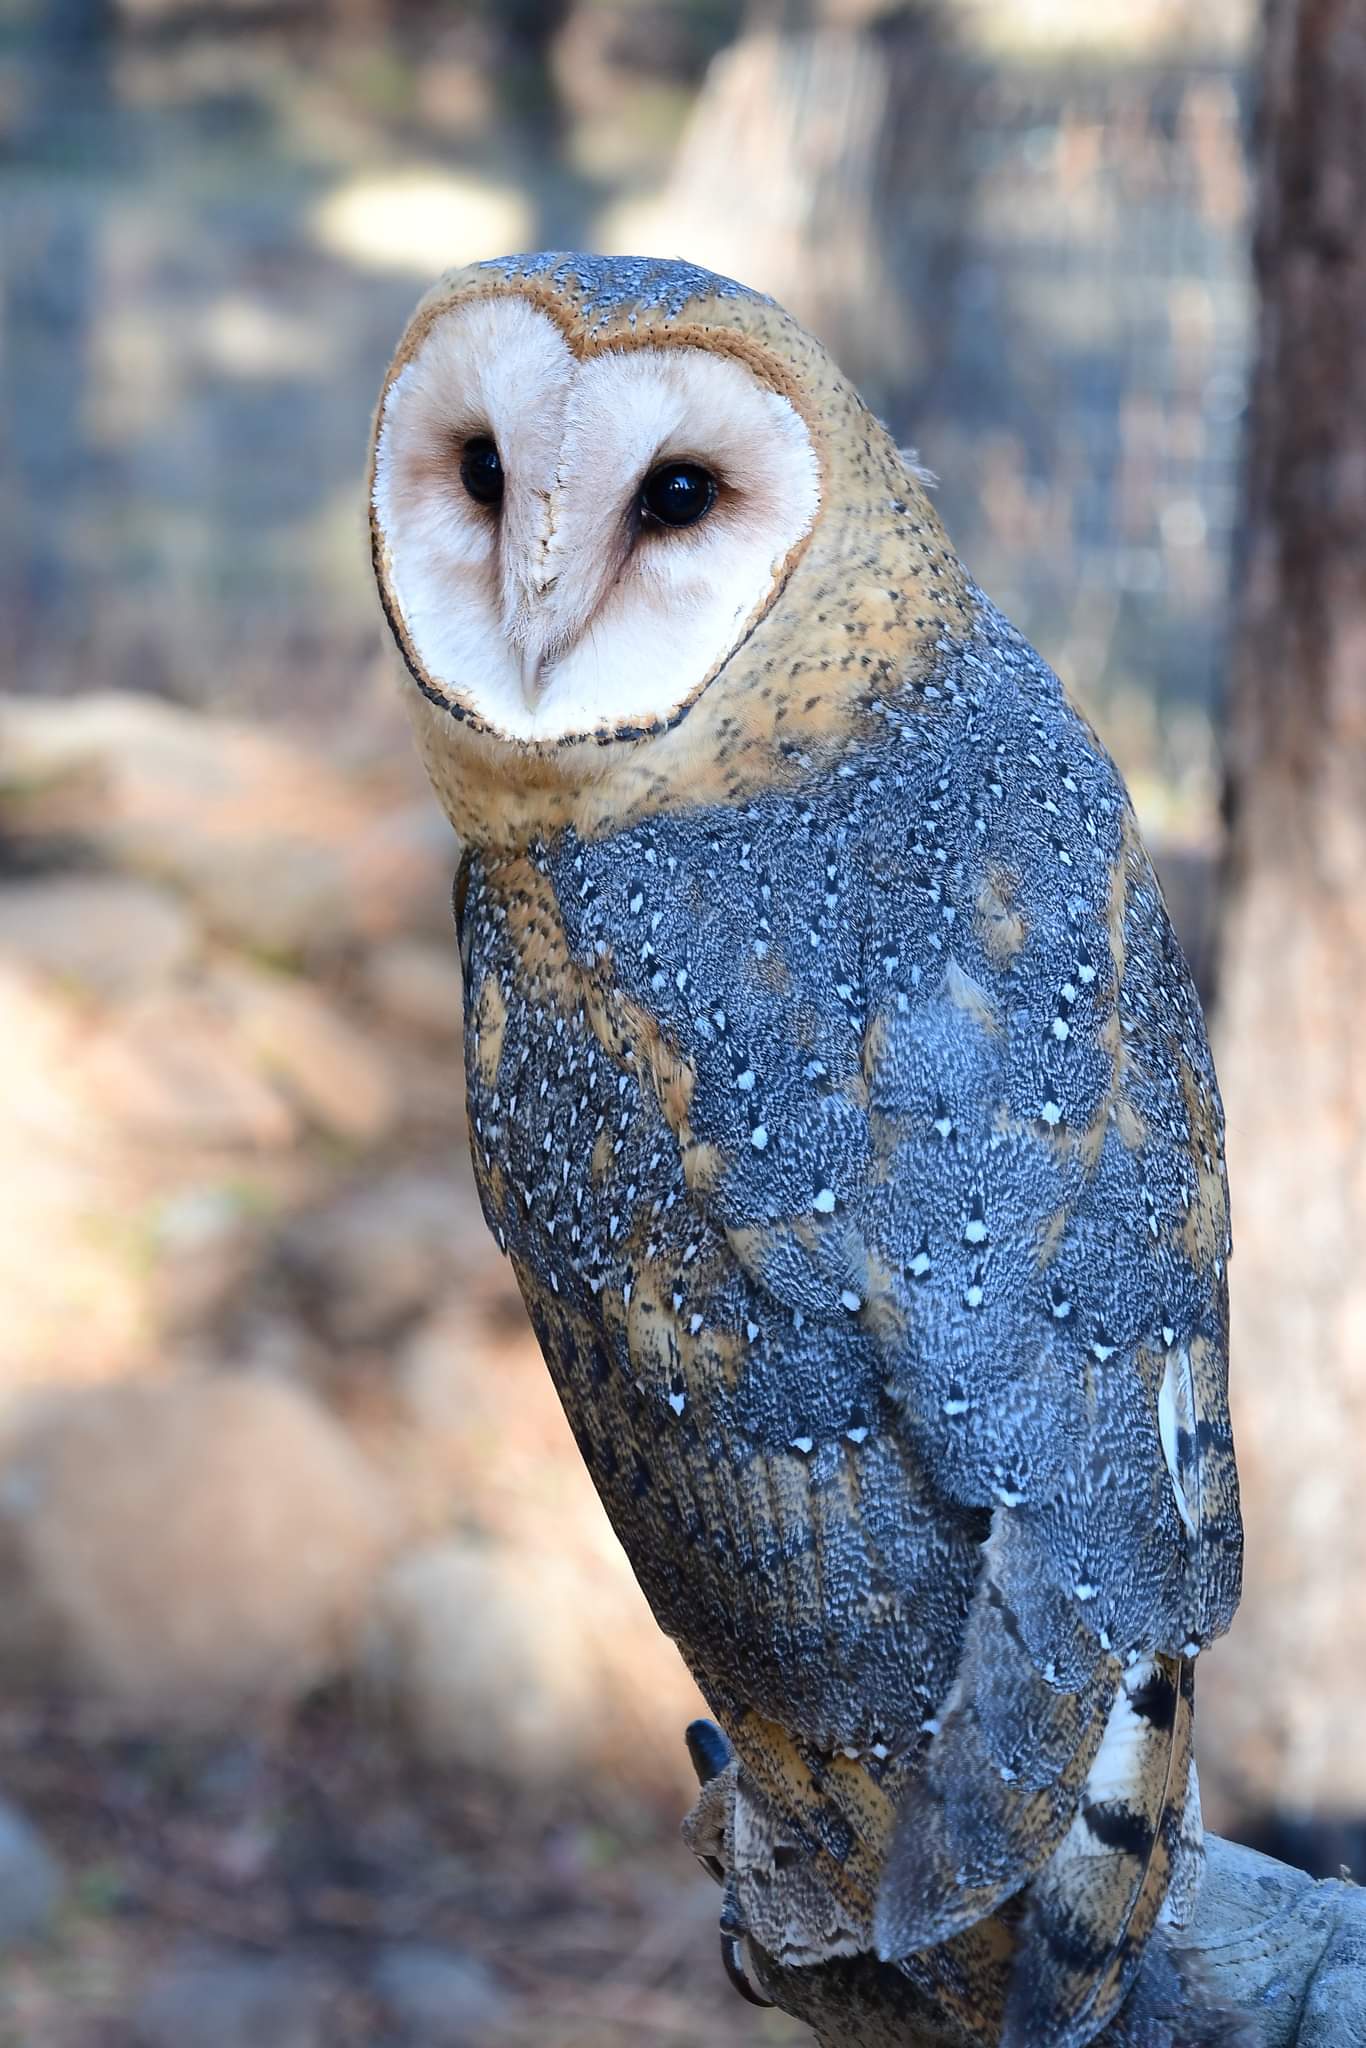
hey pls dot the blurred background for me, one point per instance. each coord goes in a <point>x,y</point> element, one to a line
<point>329,1712</point>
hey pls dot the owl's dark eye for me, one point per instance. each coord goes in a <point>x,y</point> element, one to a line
<point>678,493</point>
<point>481,470</point>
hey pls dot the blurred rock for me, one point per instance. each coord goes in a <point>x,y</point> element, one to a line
<point>172,1068</point>
<point>488,1431</point>
<point>367,1264</point>
<point>236,1061</point>
<point>340,1079</point>
<point>457,1381</point>
<point>487,1424</point>
<point>479,1652</point>
<point>281,851</point>
<point>73,1300</point>
<point>416,982</point>
<point>411,848</point>
<point>31,1881</point>
<point>204,1236</point>
<point>437,1997</point>
<point>107,934</point>
<point>213,1998</point>
<point>188,1550</point>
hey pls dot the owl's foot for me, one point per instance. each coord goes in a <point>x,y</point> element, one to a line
<point>707,1827</point>
<point>706,1831</point>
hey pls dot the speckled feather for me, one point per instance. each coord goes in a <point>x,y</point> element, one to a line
<point>838,1089</point>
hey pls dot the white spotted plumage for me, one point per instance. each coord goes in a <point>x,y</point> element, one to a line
<point>885,1286</point>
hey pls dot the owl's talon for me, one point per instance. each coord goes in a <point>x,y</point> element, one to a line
<point>733,1937</point>
<point>733,1962</point>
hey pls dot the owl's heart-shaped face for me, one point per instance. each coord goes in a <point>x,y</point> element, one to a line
<point>574,544</point>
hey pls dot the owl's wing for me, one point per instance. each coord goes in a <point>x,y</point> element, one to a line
<point>1035,1241</point>
<point>1065,1364</point>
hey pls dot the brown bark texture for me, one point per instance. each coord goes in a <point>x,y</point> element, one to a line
<point>1283,1701</point>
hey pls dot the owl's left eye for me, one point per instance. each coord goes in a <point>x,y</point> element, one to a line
<point>678,493</point>
<point>481,470</point>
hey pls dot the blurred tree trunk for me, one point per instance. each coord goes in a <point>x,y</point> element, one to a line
<point>1285,1721</point>
<point>843,126</point>
<point>532,115</point>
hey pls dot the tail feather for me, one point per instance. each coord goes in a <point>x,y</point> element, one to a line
<point>1188,1860</point>
<point>1094,1905</point>
<point>1000,1784</point>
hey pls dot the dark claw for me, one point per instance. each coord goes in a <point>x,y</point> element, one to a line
<point>733,1962</point>
<point>711,1753</point>
<point>733,1951</point>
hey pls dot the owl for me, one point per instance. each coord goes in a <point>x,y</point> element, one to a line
<point>837,1088</point>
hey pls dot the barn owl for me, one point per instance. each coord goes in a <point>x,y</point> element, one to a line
<point>838,1090</point>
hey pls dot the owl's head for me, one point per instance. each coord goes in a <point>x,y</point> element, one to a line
<point>607,491</point>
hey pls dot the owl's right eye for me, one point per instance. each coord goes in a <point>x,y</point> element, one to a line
<point>481,470</point>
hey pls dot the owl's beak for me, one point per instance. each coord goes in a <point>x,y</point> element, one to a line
<point>533,673</point>
<point>532,625</point>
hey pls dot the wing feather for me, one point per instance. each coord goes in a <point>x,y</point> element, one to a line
<point>1092,1908</point>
